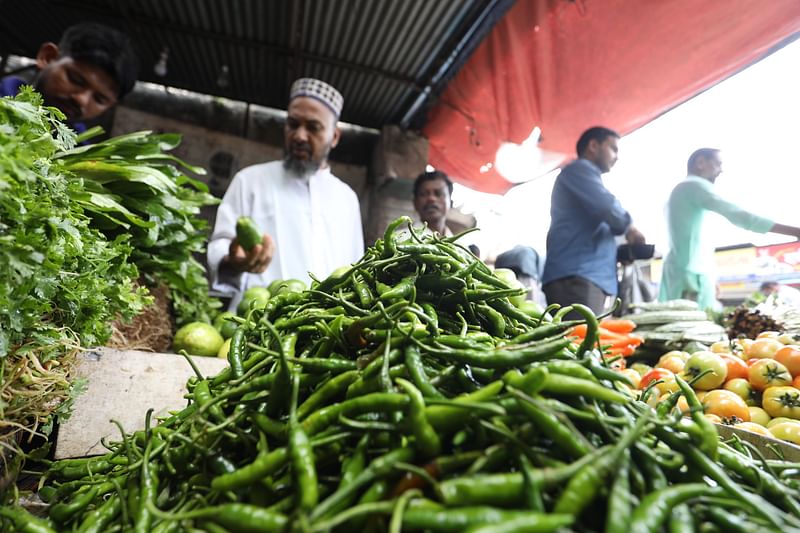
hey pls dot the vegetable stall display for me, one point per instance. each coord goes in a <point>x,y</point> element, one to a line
<point>63,282</point>
<point>406,393</point>
<point>131,186</point>
<point>79,225</point>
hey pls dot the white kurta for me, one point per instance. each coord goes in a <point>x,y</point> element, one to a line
<point>315,222</point>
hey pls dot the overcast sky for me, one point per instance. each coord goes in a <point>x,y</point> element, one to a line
<point>753,117</point>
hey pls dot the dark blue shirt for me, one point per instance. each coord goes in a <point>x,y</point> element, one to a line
<point>584,218</point>
<point>9,86</point>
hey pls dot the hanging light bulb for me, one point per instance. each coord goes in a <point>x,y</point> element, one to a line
<point>223,79</point>
<point>160,68</point>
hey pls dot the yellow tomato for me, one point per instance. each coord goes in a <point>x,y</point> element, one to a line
<point>743,389</point>
<point>739,347</point>
<point>673,362</point>
<point>788,338</point>
<point>721,347</point>
<point>788,431</point>
<point>782,401</point>
<point>726,405</point>
<point>683,406</point>
<point>680,353</point>
<point>641,368</point>
<point>713,418</point>
<point>705,370</point>
<point>700,395</point>
<point>764,348</point>
<point>768,335</point>
<point>759,416</point>
<point>754,428</point>
<point>781,420</point>
<point>633,375</point>
<point>768,373</point>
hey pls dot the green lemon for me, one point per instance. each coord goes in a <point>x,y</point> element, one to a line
<point>198,338</point>
<point>259,296</point>
<point>532,309</point>
<point>224,325</point>
<point>341,271</point>
<point>223,350</point>
<point>275,286</point>
<point>291,285</point>
<point>507,275</point>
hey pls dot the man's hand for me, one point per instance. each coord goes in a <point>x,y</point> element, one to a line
<point>256,260</point>
<point>634,236</point>
<point>792,231</point>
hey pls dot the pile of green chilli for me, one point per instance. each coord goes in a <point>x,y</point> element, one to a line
<point>408,394</point>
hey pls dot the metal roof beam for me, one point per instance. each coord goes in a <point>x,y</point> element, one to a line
<point>476,32</point>
<point>228,39</point>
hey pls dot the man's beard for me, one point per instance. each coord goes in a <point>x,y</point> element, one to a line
<point>303,167</point>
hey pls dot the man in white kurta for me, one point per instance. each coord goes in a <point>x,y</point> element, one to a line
<point>310,219</point>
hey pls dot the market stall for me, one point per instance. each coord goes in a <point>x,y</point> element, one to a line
<point>412,390</point>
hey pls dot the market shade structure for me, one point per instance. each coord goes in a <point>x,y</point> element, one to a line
<point>566,66</point>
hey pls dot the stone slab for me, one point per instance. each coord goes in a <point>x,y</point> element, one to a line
<point>123,385</point>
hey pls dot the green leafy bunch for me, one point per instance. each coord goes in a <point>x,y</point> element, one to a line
<point>56,271</point>
<point>132,187</point>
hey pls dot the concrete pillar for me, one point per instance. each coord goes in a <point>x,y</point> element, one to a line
<point>398,158</point>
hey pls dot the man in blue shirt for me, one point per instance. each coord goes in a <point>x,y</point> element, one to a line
<point>84,75</point>
<point>581,264</point>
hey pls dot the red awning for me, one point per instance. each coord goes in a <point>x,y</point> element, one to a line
<point>566,65</point>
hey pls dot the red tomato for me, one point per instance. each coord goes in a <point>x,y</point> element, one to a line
<point>764,348</point>
<point>668,383</point>
<point>789,356</point>
<point>768,373</point>
<point>743,389</point>
<point>782,401</point>
<point>726,405</point>
<point>796,382</point>
<point>736,367</point>
<point>709,364</point>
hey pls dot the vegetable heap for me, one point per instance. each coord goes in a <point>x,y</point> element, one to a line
<point>130,186</point>
<point>62,281</point>
<point>407,393</point>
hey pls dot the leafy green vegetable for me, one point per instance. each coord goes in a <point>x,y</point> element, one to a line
<point>131,187</point>
<point>63,282</point>
<point>58,272</point>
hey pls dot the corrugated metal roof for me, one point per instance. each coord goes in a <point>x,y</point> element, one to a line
<point>380,54</point>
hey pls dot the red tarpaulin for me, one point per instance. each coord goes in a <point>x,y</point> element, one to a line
<point>564,66</point>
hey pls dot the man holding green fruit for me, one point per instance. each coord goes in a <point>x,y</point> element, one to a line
<point>307,219</point>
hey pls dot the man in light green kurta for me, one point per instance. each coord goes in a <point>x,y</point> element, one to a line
<point>689,266</point>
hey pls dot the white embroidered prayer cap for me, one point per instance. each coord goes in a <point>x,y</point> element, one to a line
<point>319,90</point>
